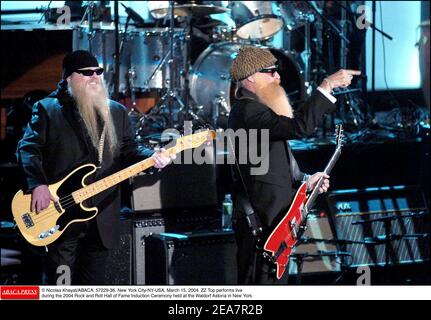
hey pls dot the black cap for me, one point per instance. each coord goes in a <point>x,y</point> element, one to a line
<point>77,60</point>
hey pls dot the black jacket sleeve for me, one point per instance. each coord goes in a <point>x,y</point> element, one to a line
<point>307,118</point>
<point>30,147</point>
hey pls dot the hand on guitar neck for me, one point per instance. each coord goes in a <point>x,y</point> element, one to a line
<point>312,180</point>
<point>284,237</point>
<point>162,158</point>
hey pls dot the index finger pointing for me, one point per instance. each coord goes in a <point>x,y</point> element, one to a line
<point>354,72</point>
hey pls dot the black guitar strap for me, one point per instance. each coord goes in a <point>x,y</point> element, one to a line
<point>252,217</point>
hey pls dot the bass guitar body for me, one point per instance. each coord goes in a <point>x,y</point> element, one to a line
<point>46,226</point>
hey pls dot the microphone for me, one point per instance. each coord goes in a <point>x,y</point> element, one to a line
<point>132,14</point>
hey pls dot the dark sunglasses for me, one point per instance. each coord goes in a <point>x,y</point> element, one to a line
<point>269,70</point>
<point>89,72</point>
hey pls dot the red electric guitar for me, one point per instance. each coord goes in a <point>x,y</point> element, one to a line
<point>285,236</point>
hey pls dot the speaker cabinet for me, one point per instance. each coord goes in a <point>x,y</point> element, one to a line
<point>192,259</point>
<point>401,233</point>
<point>316,252</point>
<point>146,226</point>
<point>177,186</point>
<point>119,269</point>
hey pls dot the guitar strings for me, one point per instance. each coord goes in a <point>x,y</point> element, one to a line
<point>65,203</point>
<point>40,217</point>
<point>69,201</point>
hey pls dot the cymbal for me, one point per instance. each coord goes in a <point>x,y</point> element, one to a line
<point>197,10</point>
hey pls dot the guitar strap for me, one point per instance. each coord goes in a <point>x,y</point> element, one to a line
<point>252,217</point>
<point>101,145</point>
<point>296,173</point>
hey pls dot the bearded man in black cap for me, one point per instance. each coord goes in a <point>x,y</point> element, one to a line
<point>261,103</point>
<point>75,125</point>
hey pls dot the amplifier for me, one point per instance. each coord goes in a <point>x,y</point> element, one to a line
<point>119,269</point>
<point>391,225</point>
<point>145,226</point>
<point>177,186</point>
<point>192,259</point>
<point>316,251</point>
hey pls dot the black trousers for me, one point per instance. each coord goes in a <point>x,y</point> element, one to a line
<point>79,255</point>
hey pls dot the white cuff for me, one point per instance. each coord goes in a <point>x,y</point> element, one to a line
<point>327,95</point>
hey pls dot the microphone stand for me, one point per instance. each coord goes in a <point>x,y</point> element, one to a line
<point>373,42</point>
<point>89,14</point>
<point>117,52</point>
<point>371,24</point>
<point>44,13</point>
<point>331,25</point>
<point>90,35</point>
<point>171,94</point>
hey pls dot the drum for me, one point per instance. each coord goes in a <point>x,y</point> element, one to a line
<point>224,33</point>
<point>211,86</point>
<point>141,58</point>
<point>296,13</point>
<point>147,48</point>
<point>255,20</point>
<point>103,48</point>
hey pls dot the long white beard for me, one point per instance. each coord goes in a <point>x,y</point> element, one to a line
<point>92,102</point>
<point>274,96</point>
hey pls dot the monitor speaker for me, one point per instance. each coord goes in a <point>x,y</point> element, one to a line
<point>146,226</point>
<point>391,225</point>
<point>192,259</point>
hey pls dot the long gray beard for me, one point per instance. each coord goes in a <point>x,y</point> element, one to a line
<point>90,106</point>
<point>274,96</point>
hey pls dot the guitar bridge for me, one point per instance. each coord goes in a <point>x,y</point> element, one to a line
<point>28,221</point>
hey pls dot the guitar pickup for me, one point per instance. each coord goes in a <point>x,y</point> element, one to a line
<point>57,206</point>
<point>28,221</point>
<point>304,212</point>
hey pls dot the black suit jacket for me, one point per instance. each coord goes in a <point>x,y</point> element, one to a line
<point>272,193</point>
<point>56,142</point>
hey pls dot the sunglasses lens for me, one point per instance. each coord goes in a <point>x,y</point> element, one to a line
<point>269,70</point>
<point>89,73</point>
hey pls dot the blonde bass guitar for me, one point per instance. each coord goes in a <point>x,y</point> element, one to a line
<point>45,227</point>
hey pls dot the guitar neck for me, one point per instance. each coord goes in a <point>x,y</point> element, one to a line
<point>328,169</point>
<point>114,179</point>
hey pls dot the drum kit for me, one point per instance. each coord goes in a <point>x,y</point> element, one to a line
<point>158,59</point>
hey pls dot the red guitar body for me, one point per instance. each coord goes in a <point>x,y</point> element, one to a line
<point>284,237</point>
